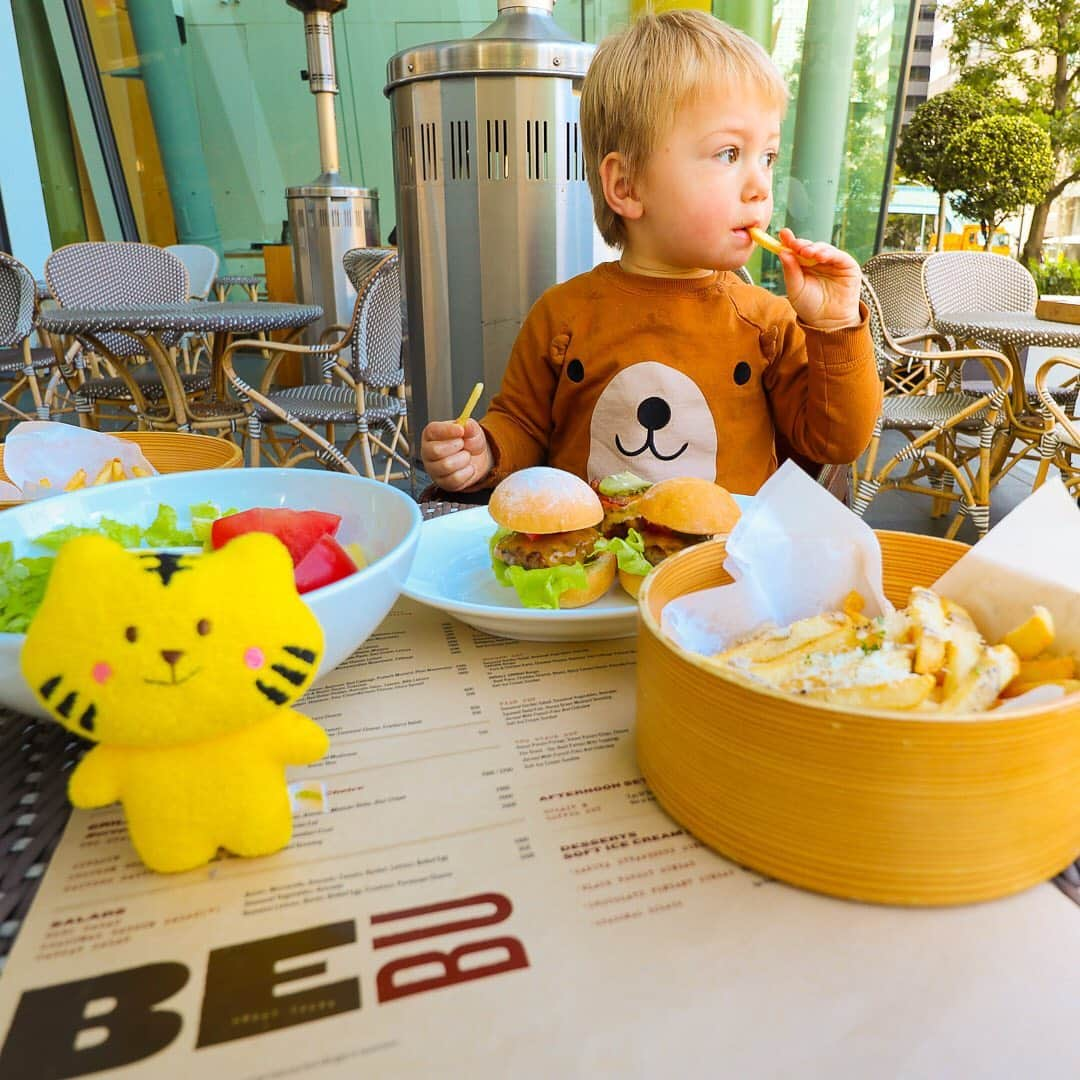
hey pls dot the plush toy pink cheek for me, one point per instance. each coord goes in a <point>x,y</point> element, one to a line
<point>101,673</point>
<point>253,657</point>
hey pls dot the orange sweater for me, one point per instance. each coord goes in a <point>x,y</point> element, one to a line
<point>678,377</point>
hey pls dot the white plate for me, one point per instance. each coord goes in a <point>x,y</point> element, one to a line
<point>452,572</point>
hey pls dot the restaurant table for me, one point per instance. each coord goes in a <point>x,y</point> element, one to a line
<point>149,322</point>
<point>1010,331</point>
<point>36,758</point>
<point>225,282</point>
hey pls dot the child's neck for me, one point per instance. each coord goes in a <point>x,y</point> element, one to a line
<point>635,263</point>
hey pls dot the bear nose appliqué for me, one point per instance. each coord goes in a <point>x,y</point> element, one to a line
<point>170,656</point>
<point>654,413</point>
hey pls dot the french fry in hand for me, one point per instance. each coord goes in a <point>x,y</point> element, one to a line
<point>770,243</point>
<point>78,480</point>
<point>997,667</point>
<point>928,630</point>
<point>1033,636</point>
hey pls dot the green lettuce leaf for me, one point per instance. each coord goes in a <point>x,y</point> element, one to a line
<point>203,516</point>
<point>22,587</point>
<point>629,553</point>
<point>537,588</point>
<point>165,532</point>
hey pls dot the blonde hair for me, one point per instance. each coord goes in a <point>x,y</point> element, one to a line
<point>640,77</point>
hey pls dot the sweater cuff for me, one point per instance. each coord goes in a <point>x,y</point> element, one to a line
<point>843,349</point>
<point>510,447</point>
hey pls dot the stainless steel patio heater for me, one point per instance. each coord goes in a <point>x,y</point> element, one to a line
<point>328,216</point>
<point>492,202</point>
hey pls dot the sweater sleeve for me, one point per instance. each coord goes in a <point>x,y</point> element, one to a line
<point>824,389</point>
<point>518,421</point>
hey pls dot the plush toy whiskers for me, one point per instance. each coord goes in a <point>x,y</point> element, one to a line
<point>182,669</point>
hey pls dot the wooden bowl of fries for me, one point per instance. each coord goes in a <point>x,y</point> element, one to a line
<point>167,451</point>
<point>894,807</point>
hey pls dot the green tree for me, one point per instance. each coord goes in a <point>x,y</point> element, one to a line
<point>1008,163</point>
<point>1032,47</point>
<point>925,154</point>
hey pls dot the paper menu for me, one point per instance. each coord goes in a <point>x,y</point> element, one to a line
<point>493,892</point>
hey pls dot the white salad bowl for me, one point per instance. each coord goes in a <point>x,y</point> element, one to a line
<point>385,523</point>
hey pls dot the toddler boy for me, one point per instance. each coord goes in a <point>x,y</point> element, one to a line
<point>665,363</point>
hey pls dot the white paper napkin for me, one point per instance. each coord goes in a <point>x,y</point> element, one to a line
<point>40,449</point>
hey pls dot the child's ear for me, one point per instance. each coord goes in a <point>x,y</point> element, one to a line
<point>618,190</point>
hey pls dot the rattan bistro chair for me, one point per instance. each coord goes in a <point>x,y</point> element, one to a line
<point>363,383</point>
<point>117,274</point>
<point>1061,446</point>
<point>18,312</point>
<point>935,416</point>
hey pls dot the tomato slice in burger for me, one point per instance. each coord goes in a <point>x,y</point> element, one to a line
<point>298,530</point>
<point>325,563</point>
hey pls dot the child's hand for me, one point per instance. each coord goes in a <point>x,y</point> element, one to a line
<point>455,457</point>
<point>825,295</point>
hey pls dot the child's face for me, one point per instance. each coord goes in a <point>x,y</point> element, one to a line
<point>709,179</point>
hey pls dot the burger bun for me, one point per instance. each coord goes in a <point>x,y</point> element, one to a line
<point>599,573</point>
<point>542,500</point>
<point>689,504</point>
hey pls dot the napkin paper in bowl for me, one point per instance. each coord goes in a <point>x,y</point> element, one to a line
<point>39,450</point>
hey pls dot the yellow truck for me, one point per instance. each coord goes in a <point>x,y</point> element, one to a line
<point>971,239</point>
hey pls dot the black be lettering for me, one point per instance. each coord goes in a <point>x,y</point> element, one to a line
<point>240,980</point>
<point>401,977</point>
<point>76,1028</point>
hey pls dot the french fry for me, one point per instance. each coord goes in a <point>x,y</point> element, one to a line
<point>772,642</point>
<point>1016,687</point>
<point>853,604</point>
<point>770,243</point>
<point>104,476</point>
<point>905,693</point>
<point>78,480</point>
<point>928,630</point>
<point>138,470</point>
<point>963,647</point>
<point>117,472</point>
<point>788,666</point>
<point>474,397</point>
<point>997,667</point>
<point>1048,669</point>
<point>45,482</point>
<point>1032,636</point>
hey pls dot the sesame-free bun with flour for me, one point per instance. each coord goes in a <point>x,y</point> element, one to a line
<point>545,544</point>
<point>670,516</point>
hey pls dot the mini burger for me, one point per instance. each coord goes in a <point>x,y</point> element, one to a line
<point>670,516</point>
<point>618,494</point>
<point>545,546</point>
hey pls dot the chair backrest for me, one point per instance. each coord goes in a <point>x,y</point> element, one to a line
<point>116,274</point>
<point>18,302</point>
<point>879,332</point>
<point>744,274</point>
<point>202,267</point>
<point>897,280</point>
<point>377,329</point>
<point>977,281</point>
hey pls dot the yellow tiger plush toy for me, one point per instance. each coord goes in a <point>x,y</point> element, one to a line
<point>182,669</point>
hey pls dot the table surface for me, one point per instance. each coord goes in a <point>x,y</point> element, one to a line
<point>36,759</point>
<point>1015,327</point>
<point>197,316</point>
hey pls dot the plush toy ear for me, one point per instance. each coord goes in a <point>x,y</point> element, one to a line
<point>88,563</point>
<point>253,556</point>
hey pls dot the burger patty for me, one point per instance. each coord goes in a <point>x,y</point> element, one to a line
<point>661,542</point>
<point>538,552</point>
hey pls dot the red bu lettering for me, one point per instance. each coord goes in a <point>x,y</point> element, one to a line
<point>508,952</point>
